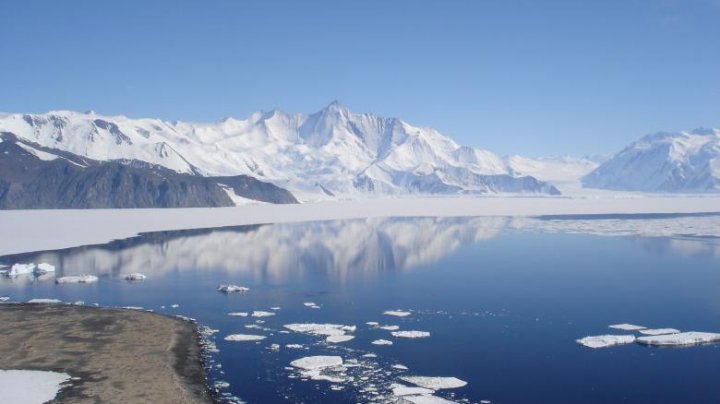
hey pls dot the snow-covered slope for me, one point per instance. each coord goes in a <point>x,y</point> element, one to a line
<point>333,152</point>
<point>663,162</point>
<point>564,172</point>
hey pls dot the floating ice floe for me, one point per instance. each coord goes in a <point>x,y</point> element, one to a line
<point>382,342</point>
<point>410,334</point>
<point>426,399</point>
<point>44,268</point>
<point>295,346</point>
<point>244,338</point>
<point>317,362</point>
<point>402,390</point>
<point>659,331</point>
<point>335,339</point>
<point>238,314</point>
<point>389,327</point>
<point>258,313</point>
<point>435,382</point>
<point>369,355</point>
<point>627,327</point>
<point>21,269</point>
<point>221,384</point>
<point>45,301</point>
<point>320,329</point>
<point>274,347</point>
<point>397,313</point>
<point>399,367</point>
<point>373,323</point>
<point>275,308</point>
<point>232,289</point>
<point>604,341</point>
<point>77,279</point>
<point>135,277</point>
<point>680,339</point>
<point>174,306</point>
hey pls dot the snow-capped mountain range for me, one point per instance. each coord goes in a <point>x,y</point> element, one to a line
<point>686,162</point>
<point>331,153</point>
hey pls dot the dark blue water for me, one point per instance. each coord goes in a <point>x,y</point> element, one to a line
<point>504,307</point>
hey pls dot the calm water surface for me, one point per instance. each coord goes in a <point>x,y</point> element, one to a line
<point>504,305</point>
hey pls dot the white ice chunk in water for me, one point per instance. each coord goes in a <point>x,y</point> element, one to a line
<point>604,341</point>
<point>47,301</point>
<point>435,382</point>
<point>680,339</point>
<point>317,329</point>
<point>426,399</point>
<point>402,390</point>
<point>44,268</point>
<point>259,313</point>
<point>174,306</point>
<point>659,331</point>
<point>275,308</point>
<point>21,269</point>
<point>232,289</point>
<point>77,279</point>
<point>135,277</point>
<point>382,342</point>
<point>317,362</point>
<point>238,314</point>
<point>335,339</point>
<point>311,305</point>
<point>410,334</point>
<point>626,327</point>
<point>389,327</point>
<point>397,313</point>
<point>244,337</point>
<point>372,323</point>
<point>30,386</point>
<point>295,346</point>
<point>399,367</point>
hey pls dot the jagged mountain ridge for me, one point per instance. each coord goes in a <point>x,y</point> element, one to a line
<point>663,162</point>
<point>331,153</point>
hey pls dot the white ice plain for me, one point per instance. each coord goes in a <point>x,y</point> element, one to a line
<point>244,338</point>
<point>604,341</point>
<point>410,334</point>
<point>680,339</point>
<point>626,327</point>
<point>30,386</point>
<point>435,382</point>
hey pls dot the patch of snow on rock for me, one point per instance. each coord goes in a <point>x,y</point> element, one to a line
<point>30,386</point>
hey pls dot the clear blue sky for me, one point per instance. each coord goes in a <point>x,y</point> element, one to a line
<point>529,77</point>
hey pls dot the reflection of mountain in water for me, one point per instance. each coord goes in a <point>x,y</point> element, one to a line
<point>280,251</point>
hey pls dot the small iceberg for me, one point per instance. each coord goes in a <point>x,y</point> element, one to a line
<point>317,362</point>
<point>680,339</point>
<point>626,327</point>
<point>238,314</point>
<point>135,277</point>
<point>659,331</point>
<point>44,268</point>
<point>262,313</point>
<point>382,342</point>
<point>77,279</point>
<point>232,289</point>
<point>244,338</point>
<point>21,269</point>
<point>604,341</point>
<point>397,313</point>
<point>410,334</point>
<point>434,382</point>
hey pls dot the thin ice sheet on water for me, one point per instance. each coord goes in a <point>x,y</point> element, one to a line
<point>680,339</point>
<point>435,382</point>
<point>403,390</point>
<point>427,399</point>
<point>626,327</point>
<point>317,362</point>
<point>659,331</point>
<point>244,337</point>
<point>604,341</point>
<point>397,313</point>
<point>410,334</point>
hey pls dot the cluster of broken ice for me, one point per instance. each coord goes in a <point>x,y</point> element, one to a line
<point>650,336</point>
<point>77,279</point>
<point>232,289</point>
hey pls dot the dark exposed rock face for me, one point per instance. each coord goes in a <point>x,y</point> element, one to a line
<point>73,182</point>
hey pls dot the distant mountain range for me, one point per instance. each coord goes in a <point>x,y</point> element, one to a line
<point>70,159</point>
